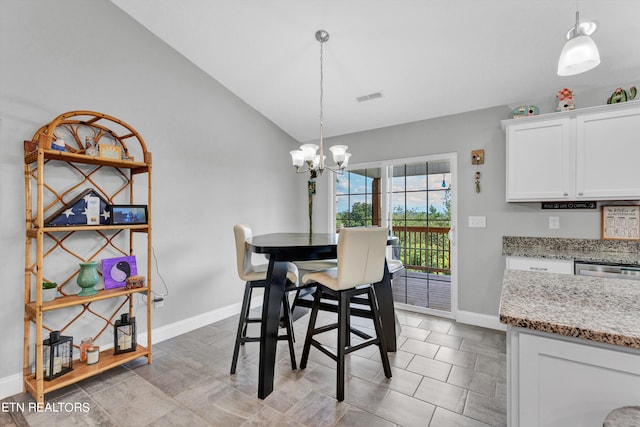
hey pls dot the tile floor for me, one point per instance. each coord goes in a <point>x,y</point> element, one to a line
<point>444,374</point>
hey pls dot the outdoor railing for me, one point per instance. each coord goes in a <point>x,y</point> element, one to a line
<point>425,248</point>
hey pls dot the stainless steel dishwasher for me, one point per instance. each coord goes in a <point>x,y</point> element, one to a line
<point>630,272</point>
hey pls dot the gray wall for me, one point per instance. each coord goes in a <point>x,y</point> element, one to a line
<point>216,160</point>
<point>481,263</point>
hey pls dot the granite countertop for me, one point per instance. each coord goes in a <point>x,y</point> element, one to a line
<point>587,250</point>
<point>591,308</point>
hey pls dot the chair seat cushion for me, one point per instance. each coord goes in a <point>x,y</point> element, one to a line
<point>328,278</point>
<point>394,265</point>
<point>259,272</point>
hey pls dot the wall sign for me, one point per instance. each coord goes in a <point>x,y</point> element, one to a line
<point>621,222</point>
<point>569,205</point>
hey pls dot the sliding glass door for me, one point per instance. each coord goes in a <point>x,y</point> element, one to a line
<point>413,197</point>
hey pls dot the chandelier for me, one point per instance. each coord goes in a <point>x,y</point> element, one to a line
<point>308,153</point>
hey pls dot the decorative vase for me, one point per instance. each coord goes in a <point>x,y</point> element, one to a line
<point>87,278</point>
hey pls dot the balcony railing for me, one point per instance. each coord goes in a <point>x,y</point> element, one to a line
<point>425,249</point>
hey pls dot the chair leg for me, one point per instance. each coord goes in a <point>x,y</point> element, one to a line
<point>382,343</point>
<point>289,328</point>
<point>242,325</point>
<point>343,334</point>
<point>312,325</point>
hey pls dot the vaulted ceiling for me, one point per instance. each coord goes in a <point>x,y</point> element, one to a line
<point>428,58</point>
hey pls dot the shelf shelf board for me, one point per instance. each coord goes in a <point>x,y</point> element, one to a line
<point>73,300</point>
<point>136,227</point>
<point>82,371</point>
<point>33,232</point>
<point>66,156</point>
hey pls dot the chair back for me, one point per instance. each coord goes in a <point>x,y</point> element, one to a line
<point>243,254</point>
<point>361,256</point>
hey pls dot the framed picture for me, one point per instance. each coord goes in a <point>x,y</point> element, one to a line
<point>621,222</point>
<point>128,214</point>
<point>116,270</point>
<point>108,151</point>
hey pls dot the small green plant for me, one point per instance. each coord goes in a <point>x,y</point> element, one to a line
<point>49,285</point>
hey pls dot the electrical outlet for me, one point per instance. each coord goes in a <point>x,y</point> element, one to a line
<point>554,222</point>
<point>158,302</point>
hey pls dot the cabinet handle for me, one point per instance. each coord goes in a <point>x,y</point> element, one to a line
<point>538,268</point>
<point>580,193</point>
<point>565,194</point>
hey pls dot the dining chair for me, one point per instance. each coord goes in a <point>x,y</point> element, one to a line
<point>255,276</point>
<point>361,262</point>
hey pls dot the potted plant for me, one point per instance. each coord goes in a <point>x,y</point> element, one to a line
<point>49,291</point>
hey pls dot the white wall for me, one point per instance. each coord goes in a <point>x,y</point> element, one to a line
<point>216,160</point>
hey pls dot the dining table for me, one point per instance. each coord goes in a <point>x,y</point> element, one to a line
<point>282,248</point>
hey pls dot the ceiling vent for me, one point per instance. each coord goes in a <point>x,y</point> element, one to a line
<point>369,97</point>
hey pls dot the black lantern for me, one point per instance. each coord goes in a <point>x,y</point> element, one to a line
<point>57,355</point>
<point>124,334</point>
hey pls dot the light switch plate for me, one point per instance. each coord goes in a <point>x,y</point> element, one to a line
<point>477,222</point>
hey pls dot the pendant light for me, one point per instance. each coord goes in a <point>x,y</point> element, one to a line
<point>580,52</point>
<point>308,152</point>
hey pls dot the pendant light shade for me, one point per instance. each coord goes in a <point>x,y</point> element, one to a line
<point>580,52</point>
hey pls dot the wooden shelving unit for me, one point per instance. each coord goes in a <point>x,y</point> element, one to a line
<point>58,176</point>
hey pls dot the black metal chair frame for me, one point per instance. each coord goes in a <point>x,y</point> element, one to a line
<point>243,323</point>
<point>343,307</point>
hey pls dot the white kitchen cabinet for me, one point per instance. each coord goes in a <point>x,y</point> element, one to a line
<point>608,152</point>
<point>588,154</point>
<point>540,160</point>
<point>561,381</point>
<point>543,265</point>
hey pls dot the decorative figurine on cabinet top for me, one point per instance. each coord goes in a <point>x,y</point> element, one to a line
<point>621,95</point>
<point>525,111</point>
<point>565,100</point>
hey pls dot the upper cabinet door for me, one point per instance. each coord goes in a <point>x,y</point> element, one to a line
<point>541,160</point>
<point>608,155</point>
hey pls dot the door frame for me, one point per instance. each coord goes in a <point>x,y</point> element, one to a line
<point>453,163</point>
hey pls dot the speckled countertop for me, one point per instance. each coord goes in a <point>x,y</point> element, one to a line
<point>590,250</point>
<point>591,308</point>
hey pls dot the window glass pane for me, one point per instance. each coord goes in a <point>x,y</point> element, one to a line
<point>342,183</point>
<point>398,180</point>
<point>357,182</point>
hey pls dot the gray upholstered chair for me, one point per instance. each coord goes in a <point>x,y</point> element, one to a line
<point>361,262</point>
<point>255,277</point>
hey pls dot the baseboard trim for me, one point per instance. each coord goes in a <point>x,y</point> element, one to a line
<point>479,319</point>
<point>13,383</point>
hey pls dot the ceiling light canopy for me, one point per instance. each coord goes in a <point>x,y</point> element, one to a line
<point>580,52</point>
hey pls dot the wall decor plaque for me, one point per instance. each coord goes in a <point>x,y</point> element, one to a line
<point>620,222</point>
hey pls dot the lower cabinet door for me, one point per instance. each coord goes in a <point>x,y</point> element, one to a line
<point>565,383</point>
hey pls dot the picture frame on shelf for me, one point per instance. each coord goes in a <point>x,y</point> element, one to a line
<point>620,222</point>
<point>108,151</point>
<point>115,271</point>
<point>128,214</point>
